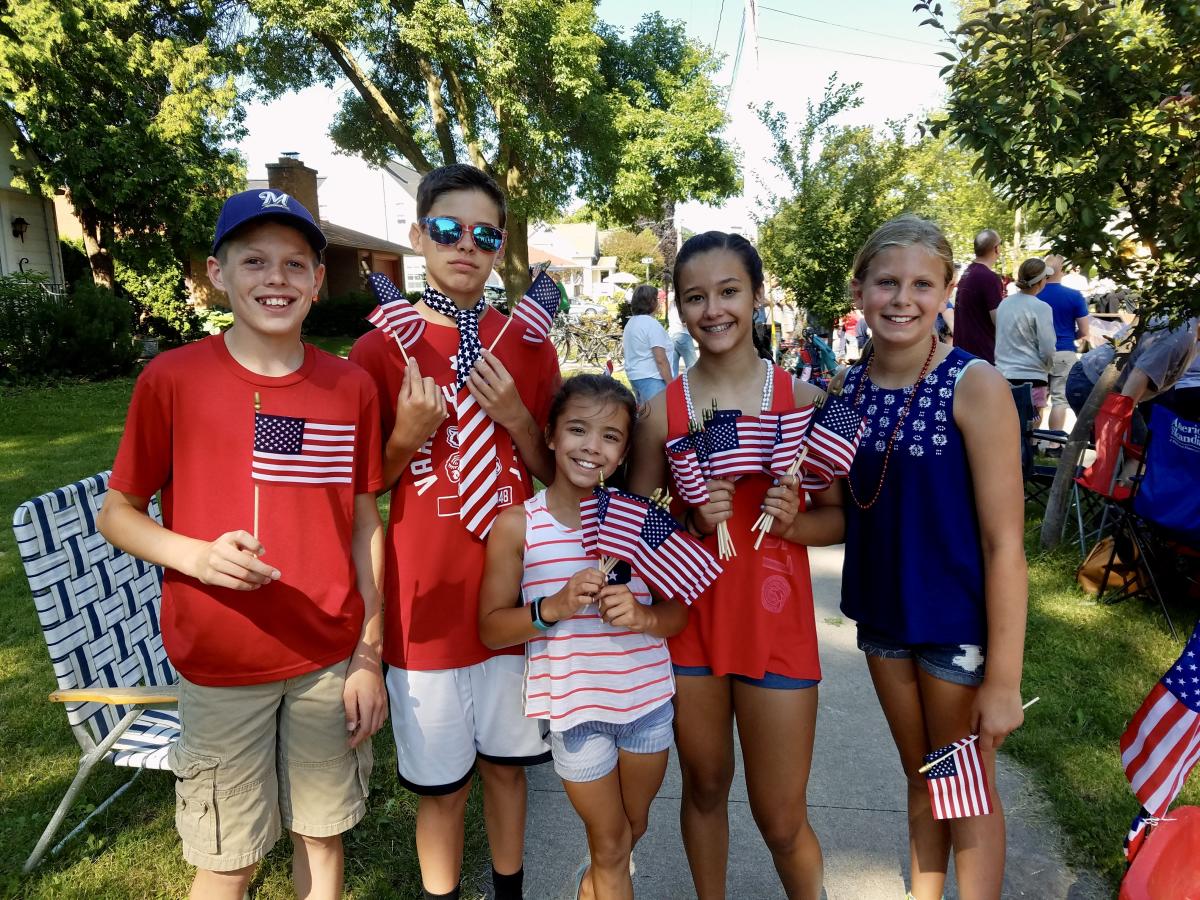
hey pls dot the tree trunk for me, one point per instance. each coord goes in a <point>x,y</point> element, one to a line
<point>514,268</point>
<point>668,239</point>
<point>1060,490</point>
<point>96,247</point>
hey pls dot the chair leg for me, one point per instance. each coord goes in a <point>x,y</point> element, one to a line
<point>1145,565</point>
<point>86,763</point>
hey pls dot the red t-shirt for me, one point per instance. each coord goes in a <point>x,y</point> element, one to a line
<point>434,565</point>
<point>191,434</point>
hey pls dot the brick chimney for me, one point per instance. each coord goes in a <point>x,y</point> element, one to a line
<point>293,177</point>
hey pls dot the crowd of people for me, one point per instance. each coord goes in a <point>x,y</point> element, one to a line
<point>479,621</point>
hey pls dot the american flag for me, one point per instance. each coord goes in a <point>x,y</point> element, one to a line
<point>478,466</point>
<point>301,451</point>
<point>834,438</point>
<point>687,471</point>
<point>394,315</point>
<point>592,510</point>
<point>958,785</point>
<point>537,308</point>
<point>1139,830</point>
<point>790,428</point>
<point>737,445</point>
<point>644,535</point>
<point>1162,743</point>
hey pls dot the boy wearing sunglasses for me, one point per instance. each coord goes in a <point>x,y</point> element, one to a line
<point>463,431</point>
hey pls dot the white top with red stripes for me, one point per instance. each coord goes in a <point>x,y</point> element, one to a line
<point>583,669</point>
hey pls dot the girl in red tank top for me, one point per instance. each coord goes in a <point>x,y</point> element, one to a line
<point>749,650</point>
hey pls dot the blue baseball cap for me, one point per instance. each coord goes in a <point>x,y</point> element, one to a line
<point>248,206</point>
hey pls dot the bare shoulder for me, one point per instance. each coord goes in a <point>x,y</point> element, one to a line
<point>982,392</point>
<point>806,394</point>
<point>652,418</point>
<point>509,527</point>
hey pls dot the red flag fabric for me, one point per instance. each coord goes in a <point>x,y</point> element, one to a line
<point>790,428</point>
<point>394,315</point>
<point>833,441</point>
<point>690,482</point>
<point>958,785</point>
<point>537,308</point>
<point>1162,743</point>
<point>301,451</point>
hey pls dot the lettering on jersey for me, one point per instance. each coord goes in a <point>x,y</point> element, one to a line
<point>504,496</point>
<point>447,507</point>
<point>424,484</point>
<point>422,461</point>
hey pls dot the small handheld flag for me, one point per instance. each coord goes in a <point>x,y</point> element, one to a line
<point>394,315</point>
<point>835,436</point>
<point>291,450</point>
<point>957,782</point>
<point>1162,743</point>
<point>687,471</point>
<point>535,310</point>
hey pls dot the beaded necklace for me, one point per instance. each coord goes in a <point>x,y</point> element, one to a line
<point>768,392</point>
<point>887,454</point>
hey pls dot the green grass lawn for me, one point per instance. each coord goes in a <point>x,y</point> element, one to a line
<point>338,346</point>
<point>50,437</point>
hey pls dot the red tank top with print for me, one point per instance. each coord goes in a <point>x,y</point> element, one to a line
<point>757,617</point>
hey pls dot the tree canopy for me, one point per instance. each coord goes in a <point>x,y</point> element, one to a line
<point>1084,114</point>
<point>631,247</point>
<point>539,93</point>
<point>127,106</point>
<point>845,181</point>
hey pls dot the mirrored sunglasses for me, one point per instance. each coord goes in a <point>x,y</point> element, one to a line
<point>447,230</point>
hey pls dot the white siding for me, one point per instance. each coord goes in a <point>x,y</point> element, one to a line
<point>40,246</point>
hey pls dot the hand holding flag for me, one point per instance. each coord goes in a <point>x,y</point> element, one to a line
<point>394,315</point>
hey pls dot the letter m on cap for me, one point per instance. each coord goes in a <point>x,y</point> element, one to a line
<point>273,200</point>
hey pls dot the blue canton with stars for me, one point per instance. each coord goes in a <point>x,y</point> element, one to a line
<point>278,434</point>
<point>1183,678</point>
<point>944,769</point>
<point>544,292</point>
<point>658,527</point>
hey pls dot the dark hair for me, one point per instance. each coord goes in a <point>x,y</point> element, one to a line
<point>718,240</point>
<point>458,177</point>
<point>986,241</point>
<point>601,388</point>
<point>644,300</point>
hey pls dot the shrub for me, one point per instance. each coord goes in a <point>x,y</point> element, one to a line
<point>345,314</point>
<point>149,272</point>
<point>85,335</point>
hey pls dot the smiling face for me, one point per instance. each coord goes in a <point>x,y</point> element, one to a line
<point>458,270</point>
<point>901,293</point>
<point>716,300</point>
<point>270,273</point>
<point>590,437</point>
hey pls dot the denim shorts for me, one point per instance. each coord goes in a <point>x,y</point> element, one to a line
<point>956,663</point>
<point>769,679</point>
<point>589,751</point>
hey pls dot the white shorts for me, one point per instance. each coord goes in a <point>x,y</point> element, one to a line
<point>443,719</point>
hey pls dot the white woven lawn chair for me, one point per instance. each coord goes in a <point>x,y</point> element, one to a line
<point>99,612</point>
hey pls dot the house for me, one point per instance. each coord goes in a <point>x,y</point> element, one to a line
<point>573,249</point>
<point>351,254</point>
<point>28,226</point>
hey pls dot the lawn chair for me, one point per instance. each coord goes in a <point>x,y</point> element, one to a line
<point>1037,478</point>
<point>1097,493</point>
<point>99,610</point>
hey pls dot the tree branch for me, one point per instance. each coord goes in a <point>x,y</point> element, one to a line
<point>466,119</point>
<point>397,128</point>
<point>437,109</point>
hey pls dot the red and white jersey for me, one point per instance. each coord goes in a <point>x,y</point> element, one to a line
<point>434,565</point>
<point>583,669</point>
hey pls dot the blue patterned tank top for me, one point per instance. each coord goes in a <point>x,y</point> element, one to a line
<point>913,568</point>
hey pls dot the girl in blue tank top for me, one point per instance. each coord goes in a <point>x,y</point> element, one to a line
<point>935,564</point>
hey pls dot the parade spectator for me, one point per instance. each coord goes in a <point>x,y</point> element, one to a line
<point>681,340</point>
<point>1184,398</point>
<point>980,291</point>
<point>646,345</point>
<point>1070,325</point>
<point>1025,334</point>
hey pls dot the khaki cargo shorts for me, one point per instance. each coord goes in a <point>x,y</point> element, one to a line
<point>256,759</point>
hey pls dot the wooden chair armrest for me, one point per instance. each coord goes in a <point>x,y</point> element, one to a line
<point>154,695</point>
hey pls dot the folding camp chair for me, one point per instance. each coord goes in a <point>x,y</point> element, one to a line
<point>1037,478</point>
<point>1097,492</point>
<point>99,611</point>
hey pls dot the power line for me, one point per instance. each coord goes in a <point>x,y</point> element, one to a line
<point>720,16</point>
<point>894,37</point>
<point>737,60</point>
<point>907,62</point>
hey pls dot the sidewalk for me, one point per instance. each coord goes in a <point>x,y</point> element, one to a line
<point>856,803</point>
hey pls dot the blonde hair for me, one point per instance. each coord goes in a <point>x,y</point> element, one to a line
<point>905,231</point>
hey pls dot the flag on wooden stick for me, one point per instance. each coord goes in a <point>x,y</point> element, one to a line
<point>958,785</point>
<point>394,315</point>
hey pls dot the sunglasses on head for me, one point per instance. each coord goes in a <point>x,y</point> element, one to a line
<point>447,230</point>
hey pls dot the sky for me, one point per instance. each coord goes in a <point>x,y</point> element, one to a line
<point>800,44</point>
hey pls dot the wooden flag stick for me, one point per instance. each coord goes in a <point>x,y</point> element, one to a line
<point>501,334</point>
<point>973,738</point>
<point>763,525</point>
<point>257,408</point>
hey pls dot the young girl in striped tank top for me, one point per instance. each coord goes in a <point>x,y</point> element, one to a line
<point>597,666</point>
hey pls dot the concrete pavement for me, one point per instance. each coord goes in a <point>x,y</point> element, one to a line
<point>856,804</point>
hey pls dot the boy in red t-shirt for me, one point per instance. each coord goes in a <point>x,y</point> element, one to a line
<point>456,705</point>
<point>255,435</point>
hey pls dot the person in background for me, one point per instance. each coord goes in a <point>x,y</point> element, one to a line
<point>646,345</point>
<point>681,340</point>
<point>1025,334</point>
<point>1070,325</point>
<point>1184,398</point>
<point>944,327</point>
<point>980,291</point>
